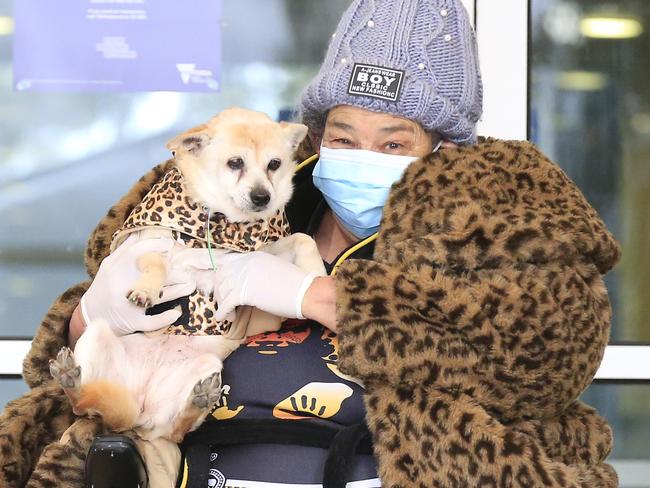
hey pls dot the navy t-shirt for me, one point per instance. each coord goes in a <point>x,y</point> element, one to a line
<point>291,375</point>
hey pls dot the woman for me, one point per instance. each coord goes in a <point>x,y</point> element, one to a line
<point>465,287</point>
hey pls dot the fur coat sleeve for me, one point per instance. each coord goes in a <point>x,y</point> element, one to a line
<point>482,314</point>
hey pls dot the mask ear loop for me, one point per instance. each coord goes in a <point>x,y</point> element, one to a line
<point>435,149</point>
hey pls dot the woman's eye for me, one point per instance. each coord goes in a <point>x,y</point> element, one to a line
<point>343,140</point>
<point>394,145</point>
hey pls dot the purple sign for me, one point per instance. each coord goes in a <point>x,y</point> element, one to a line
<point>117,45</point>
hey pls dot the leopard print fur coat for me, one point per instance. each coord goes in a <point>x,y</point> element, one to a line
<point>481,319</point>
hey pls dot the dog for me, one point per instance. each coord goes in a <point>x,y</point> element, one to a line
<point>240,166</point>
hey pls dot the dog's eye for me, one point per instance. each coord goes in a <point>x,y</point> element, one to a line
<point>235,163</point>
<point>274,164</point>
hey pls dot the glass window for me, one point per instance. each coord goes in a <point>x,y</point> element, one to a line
<point>11,388</point>
<point>65,158</point>
<point>590,112</point>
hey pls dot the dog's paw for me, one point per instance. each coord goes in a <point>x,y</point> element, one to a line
<point>207,392</point>
<point>65,370</point>
<point>307,256</point>
<point>144,297</point>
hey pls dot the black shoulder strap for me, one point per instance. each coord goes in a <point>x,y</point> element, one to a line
<point>341,443</point>
<point>340,458</point>
<point>197,457</point>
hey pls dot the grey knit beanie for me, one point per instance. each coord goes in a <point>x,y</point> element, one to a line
<point>413,58</point>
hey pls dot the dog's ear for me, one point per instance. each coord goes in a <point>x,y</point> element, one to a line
<point>191,141</point>
<point>295,133</point>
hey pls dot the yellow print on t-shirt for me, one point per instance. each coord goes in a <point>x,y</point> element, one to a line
<point>222,411</point>
<point>315,399</point>
<point>293,332</point>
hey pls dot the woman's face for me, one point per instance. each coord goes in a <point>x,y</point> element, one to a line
<point>349,127</point>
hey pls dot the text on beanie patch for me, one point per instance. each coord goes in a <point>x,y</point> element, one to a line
<point>375,81</point>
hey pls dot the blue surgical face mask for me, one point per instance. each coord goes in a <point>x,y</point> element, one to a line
<point>355,184</point>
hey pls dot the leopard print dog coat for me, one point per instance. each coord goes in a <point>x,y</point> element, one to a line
<point>481,319</point>
<point>169,206</point>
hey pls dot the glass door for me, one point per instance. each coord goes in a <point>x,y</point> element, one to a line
<point>572,76</point>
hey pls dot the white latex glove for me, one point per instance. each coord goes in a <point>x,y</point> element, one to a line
<point>258,279</point>
<point>106,297</point>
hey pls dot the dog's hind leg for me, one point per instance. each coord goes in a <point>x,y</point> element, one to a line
<point>112,401</point>
<point>108,382</point>
<point>195,382</point>
<point>65,370</point>
<point>205,395</point>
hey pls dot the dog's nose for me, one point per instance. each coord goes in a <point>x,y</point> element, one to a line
<point>260,197</point>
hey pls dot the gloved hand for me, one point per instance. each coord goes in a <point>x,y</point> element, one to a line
<point>258,279</point>
<point>106,297</point>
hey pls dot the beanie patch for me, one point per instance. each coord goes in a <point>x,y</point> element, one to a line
<point>376,82</point>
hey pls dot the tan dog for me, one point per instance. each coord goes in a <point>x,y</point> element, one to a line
<point>161,386</point>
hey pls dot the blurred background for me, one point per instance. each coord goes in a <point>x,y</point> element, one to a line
<point>65,158</point>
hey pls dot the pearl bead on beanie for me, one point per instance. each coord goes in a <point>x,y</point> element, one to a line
<point>413,58</point>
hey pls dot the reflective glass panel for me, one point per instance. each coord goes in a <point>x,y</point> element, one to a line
<point>590,112</point>
<point>10,389</point>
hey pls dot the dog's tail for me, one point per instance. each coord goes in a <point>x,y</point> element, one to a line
<point>113,402</point>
